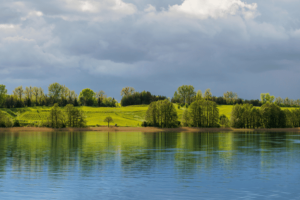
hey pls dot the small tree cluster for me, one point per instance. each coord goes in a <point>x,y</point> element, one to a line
<point>269,115</point>
<point>71,117</point>
<point>138,98</point>
<point>203,113</point>
<point>162,113</point>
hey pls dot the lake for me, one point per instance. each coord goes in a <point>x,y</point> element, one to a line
<point>133,165</point>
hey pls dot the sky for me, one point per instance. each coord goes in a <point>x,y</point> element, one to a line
<point>248,47</point>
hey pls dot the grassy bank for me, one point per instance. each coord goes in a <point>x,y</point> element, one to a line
<point>131,116</point>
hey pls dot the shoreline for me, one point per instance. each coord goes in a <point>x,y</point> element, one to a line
<point>146,129</point>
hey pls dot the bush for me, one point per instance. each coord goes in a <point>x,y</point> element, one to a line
<point>17,123</point>
<point>144,124</point>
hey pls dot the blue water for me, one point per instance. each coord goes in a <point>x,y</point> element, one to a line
<point>101,165</point>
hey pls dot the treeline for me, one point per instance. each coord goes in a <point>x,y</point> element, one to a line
<point>60,94</point>
<point>138,98</point>
<point>269,115</point>
<point>58,117</point>
<point>201,113</point>
<point>186,94</point>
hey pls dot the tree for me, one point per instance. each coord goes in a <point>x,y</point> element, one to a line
<point>199,95</point>
<point>54,91</point>
<point>108,120</point>
<point>3,93</point>
<point>35,92</point>
<point>127,91</point>
<point>230,97</point>
<point>266,97</point>
<point>162,113</point>
<point>207,94</point>
<point>19,92</point>
<point>287,101</point>
<point>204,113</point>
<point>224,121</point>
<point>279,101</point>
<point>56,117</point>
<point>41,94</point>
<point>186,92</point>
<point>75,116</point>
<point>100,97</point>
<point>87,97</point>
<point>185,118</point>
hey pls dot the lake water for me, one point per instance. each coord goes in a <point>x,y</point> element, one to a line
<point>132,165</point>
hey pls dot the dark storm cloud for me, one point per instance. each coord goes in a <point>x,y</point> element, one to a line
<point>247,47</point>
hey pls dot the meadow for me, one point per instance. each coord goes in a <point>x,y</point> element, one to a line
<point>131,116</point>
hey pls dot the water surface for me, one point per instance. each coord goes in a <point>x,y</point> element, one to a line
<point>99,165</point>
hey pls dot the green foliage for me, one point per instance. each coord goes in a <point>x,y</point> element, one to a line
<point>139,98</point>
<point>87,97</point>
<point>3,93</point>
<point>269,115</point>
<point>186,119</point>
<point>74,116</point>
<point>162,114</point>
<point>56,117</point>
<point>230,97</point>
<point>266,97</point>
<point>224,121</point>
<point>185,93</point>
<point>108,119</point>
<point>204,113</point>
<point>55,90</point>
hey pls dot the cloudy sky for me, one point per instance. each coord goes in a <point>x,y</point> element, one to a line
<point>248,47</point>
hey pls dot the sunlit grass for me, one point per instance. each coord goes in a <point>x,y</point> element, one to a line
<point>131,116</point>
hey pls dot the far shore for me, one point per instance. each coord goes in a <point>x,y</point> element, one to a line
<point>145,129</point>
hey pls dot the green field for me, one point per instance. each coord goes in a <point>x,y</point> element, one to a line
<point>131,116</point>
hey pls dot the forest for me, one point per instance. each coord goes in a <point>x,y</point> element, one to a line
<point>198,109</point>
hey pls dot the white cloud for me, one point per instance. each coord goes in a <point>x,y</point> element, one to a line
<point>150,8</point>
<point>204,9</point>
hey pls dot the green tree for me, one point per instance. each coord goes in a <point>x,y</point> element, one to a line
<point>19,92</point>
<point>224,121</point>
<point>230,97</point>
<point>186,92</point>
<point>279,101</point>
<point>108,120</point>
<point>266,97</point>
<point>55,91</point>
<point>56,117</point>
<point>185,118</point>
<point>127,91</point>
<point>162,113</point>
<point>36,92</point>
<point>204,113</point>
<point>3,94</point>
<point>87,97</point>
<point>75,116</point>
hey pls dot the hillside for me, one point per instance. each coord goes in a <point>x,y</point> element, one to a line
<point>131,116</point>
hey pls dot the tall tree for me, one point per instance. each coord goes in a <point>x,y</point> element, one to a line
<point>230,97</point>
<point>3,93</point>
<point>127,91</point>
<point>41,95</point>
<point>266,97</point>
<point>279,101</point>
<point>54,91</point>
<point>162,114</point>
<point>19,92</point>
<point>56,117</point>
<point>186,93</point>
<point>36,91</point>
<point>87,97</point>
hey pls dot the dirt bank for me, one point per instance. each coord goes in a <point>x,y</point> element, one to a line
<point>146,129</point>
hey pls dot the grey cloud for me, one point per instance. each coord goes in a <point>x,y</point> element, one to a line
<point>156,51</point>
